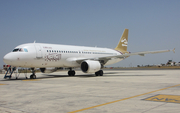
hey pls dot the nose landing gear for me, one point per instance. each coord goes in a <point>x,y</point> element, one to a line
<point>33,76</point>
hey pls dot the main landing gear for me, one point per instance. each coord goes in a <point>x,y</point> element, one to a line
<point>71,72</point>
<point>99,73</point>
<point>33,76</point>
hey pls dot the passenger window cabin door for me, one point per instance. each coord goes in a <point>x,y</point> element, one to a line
<point>38,51</point>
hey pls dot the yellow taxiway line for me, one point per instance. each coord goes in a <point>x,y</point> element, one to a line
<point>122,99</point>
<point>31,80</point>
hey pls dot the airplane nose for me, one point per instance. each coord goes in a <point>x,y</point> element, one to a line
<point>7,59</point>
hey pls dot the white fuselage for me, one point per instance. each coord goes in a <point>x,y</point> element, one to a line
<point>41,55</point>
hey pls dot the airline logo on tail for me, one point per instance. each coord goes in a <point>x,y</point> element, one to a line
<point>124,42</point>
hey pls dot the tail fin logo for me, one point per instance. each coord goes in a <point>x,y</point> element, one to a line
<point>124,42</point>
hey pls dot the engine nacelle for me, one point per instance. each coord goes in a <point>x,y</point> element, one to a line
<point>48,70</point>
<point>90,66</point>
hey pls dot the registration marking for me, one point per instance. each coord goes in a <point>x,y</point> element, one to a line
<point>164,98</point>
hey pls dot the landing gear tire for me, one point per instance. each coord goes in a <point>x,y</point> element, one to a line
<point>99,73</point>
<point>33,76</point>
<point>71,73</point>
<point>96,73</point>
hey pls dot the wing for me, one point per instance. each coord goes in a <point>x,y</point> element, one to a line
<point>103,60</point>
<point>143,53</point>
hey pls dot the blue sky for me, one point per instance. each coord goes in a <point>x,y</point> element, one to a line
<point>152,24</point>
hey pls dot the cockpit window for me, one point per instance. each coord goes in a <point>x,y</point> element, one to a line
<point>15,50</point>
<point>20,50</point>
<point>25,50</point>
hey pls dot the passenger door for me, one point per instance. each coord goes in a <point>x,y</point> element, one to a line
<point>38,51</point>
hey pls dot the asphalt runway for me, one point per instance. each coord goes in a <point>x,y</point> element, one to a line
<point>118,91</point>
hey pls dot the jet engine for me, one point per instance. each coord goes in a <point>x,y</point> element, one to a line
<point>90,66</point>
<point>48,70</point>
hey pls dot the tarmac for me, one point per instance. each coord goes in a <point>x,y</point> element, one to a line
<point>118,91</point>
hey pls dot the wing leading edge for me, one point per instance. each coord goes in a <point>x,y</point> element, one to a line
<point>123,56</point>
<point>145,52</point>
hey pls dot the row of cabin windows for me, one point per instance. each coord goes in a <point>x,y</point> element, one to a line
<point>56,51</point>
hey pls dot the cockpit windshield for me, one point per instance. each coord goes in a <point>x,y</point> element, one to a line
<point>15,50</point>
<point>20,50</point>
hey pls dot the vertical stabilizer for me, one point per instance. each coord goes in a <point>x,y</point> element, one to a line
<point>122,45</point>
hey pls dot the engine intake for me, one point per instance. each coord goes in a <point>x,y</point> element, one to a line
<point>90,66</point>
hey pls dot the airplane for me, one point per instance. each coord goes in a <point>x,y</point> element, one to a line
<point>89,59</point>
